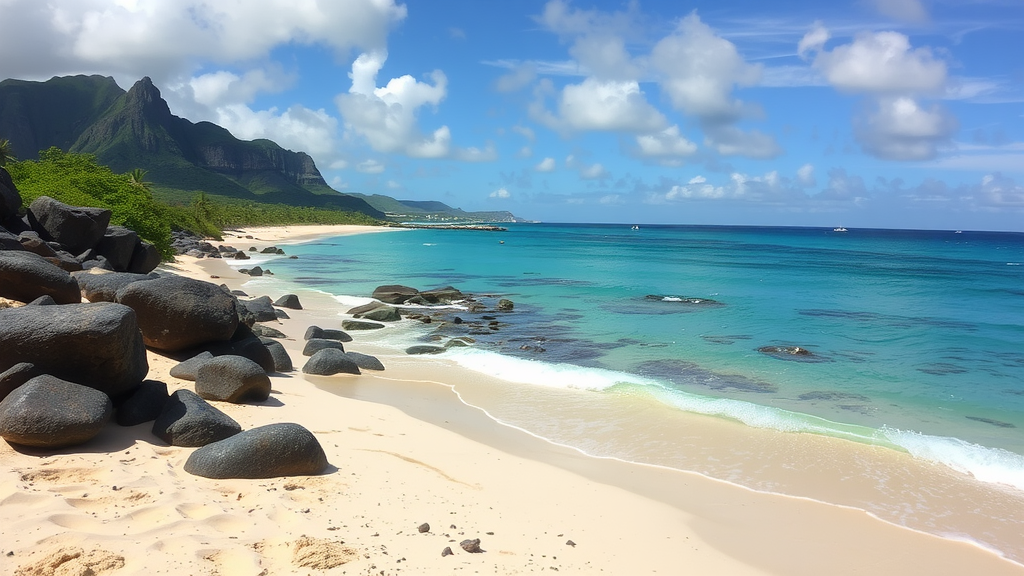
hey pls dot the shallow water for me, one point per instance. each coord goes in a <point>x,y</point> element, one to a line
<point>911,340</point>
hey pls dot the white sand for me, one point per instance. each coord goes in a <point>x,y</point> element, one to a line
<point>122,504</point>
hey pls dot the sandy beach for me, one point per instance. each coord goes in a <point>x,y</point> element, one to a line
<point>406,449</point>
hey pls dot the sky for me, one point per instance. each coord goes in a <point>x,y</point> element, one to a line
<point>860,113</point>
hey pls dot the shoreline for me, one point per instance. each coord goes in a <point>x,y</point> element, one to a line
<point>410,446</point>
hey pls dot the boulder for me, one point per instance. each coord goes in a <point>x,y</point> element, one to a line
<point>10,199</point>
<point>394,293</point>
<point>145,258</point>
<point>25,276</point>
<point>234,379</point>
<point>118,246</point>
<point>249,347</point>
<point>255,271</point>
<point>282,361</point>
<point>363,308</point>
<point>74,227</point>
<point>505,305</point>
<point>424,349</point>
<point>240,255</point>
<point>328,362</point>
<point>9,241</point>
<point>47,412</point>
<point>382,314</point>
<point>262,308</point>
<point>31,242</point>
<point>270,250</point>
<point>360,325</point>
<point>288,301</point>
<point>326,334</point>
<point>188,369</point>
<point>281,314</point>
<point>314,345</point>
<point>188,420</point>
<point>442,295</point>
<point>176,313</point>
<point>365,361</point>
<point>271,451</point>
<point>98,262</point>
<point>144,405</point>
<point>97,345</point>
<point>267,331</point>
<point>16,376</point>
<point>99,287</point>
<point>46,300</point>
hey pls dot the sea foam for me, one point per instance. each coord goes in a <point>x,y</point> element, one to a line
<point>993,465</point>
<point>541,373</point>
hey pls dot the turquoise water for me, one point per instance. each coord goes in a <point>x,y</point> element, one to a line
<point>915,338</point>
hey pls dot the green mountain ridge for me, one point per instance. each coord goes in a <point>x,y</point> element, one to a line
<point>136,129</point>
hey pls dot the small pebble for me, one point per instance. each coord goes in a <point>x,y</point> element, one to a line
<point>471,546</point>
<point>424,528</point>
<point>446,552</point>
<point>570,543</point>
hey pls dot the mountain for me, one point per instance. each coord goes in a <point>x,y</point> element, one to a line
<point>135,129</point>
<point>431,211</point>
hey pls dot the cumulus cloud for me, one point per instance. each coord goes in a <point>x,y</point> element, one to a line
<point>386,116</point>
<point>696,188</point>
<point>370,167</point>
<point>880,62</point>
<point>901,129</point>
<point>769,188</point>
<point>667,143</point>
<point>813,41</point>
<point>805,176</point>
<point>501,194</point>
<point>699,70</point>
<point>601,105</point>
<point>1000,191</point>
<point>545,165</point>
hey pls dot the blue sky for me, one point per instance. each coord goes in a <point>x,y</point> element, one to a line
<point>868,113</point>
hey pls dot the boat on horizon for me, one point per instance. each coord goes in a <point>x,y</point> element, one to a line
<point>635,227</point>
<point>840,229</point>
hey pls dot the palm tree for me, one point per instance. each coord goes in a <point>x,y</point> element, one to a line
<point>138,178</point>
<point>6,152</point>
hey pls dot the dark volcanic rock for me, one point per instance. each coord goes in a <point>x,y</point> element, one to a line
<point>365,361</point>
<point>104,287</point>
<point>144,405</point>
<point>249,347</point>
<point>98,345</point>
<point>326,334</point>
<point>362,308</point>
<point>267,331</point>
<point>16,376</point>
<point>282,361</point>
<point>330,361</point>
<point>176,313</point>
<point>791,353</point>
<point>233,379</point>
<point>47,412</point>
<point>9,241</point>
<point>314,345</point>
<point>43,301</point>
<point>288,301</point>
<point>25,276</point>
<point>424,349</point>
<point>188,420</point>
<point>118,246</point>
<point>360,325</point>
<point>394,293</point>
<point>75,227</point>
<point>471,546</point>
<point>447,551</point>
<point>262,308</point>
<point>442,295</point>
<point>145,258</point>
<point>10,199</point>
<point>270,451</point>
<point>281,315</point>
<point>505,305</point>
<point>188,369</point>
<point>255,271</point>
<point>382,314</point>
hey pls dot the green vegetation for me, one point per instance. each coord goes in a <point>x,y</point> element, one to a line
<point>78,180</point>
<point>6,152</point>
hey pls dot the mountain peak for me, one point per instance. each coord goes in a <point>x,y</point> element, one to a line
<point>144,95</point>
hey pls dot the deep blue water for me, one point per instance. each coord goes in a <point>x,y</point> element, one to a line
<point>915,339</point>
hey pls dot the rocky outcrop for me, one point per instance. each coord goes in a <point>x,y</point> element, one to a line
<point>424,349</point>
<point>98,345</point>
<point>290,301</point>
<point>270,451</point>
<point>176,313</point>
<point>381,314</point>
<point>326,334</point>
<point>329,362</point>
<point>232,379</point>
<point>76,228</point>
<point>314,345</point>
<point>188,420</point>
<point>47,412</point>
<point>262,308</point>
<point>25,276</point>
<point>394,293</point>
<point>360,325</point>
<point>97,287</point>
<point>118,246</point>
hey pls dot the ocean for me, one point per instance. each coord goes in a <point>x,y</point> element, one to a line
<point>907,341</point>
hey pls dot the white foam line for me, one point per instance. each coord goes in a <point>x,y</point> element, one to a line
<point>499,421</point>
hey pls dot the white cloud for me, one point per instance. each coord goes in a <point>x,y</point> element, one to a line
<point>605,58</point>
<point>168,38</point>
<point>370,167</point>
<point>601,105</point>
<point>386,116</point>
<point>501,194</point>
<point>696,188</point>
<point>474,154</point>
<point>667,143</point>
<point>1000,191</point>
<point>901,129</point>
<point>699,70</point>
<point>813,41</point>
<point>905,10</point>
<point>881,63</point>
<point>545,165</point>
<point>728,140</point>
<point>594,172</point>
<point>612,199</point>
<point>525,132</point>
<point>222,87</point>
<point>805,176</point>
